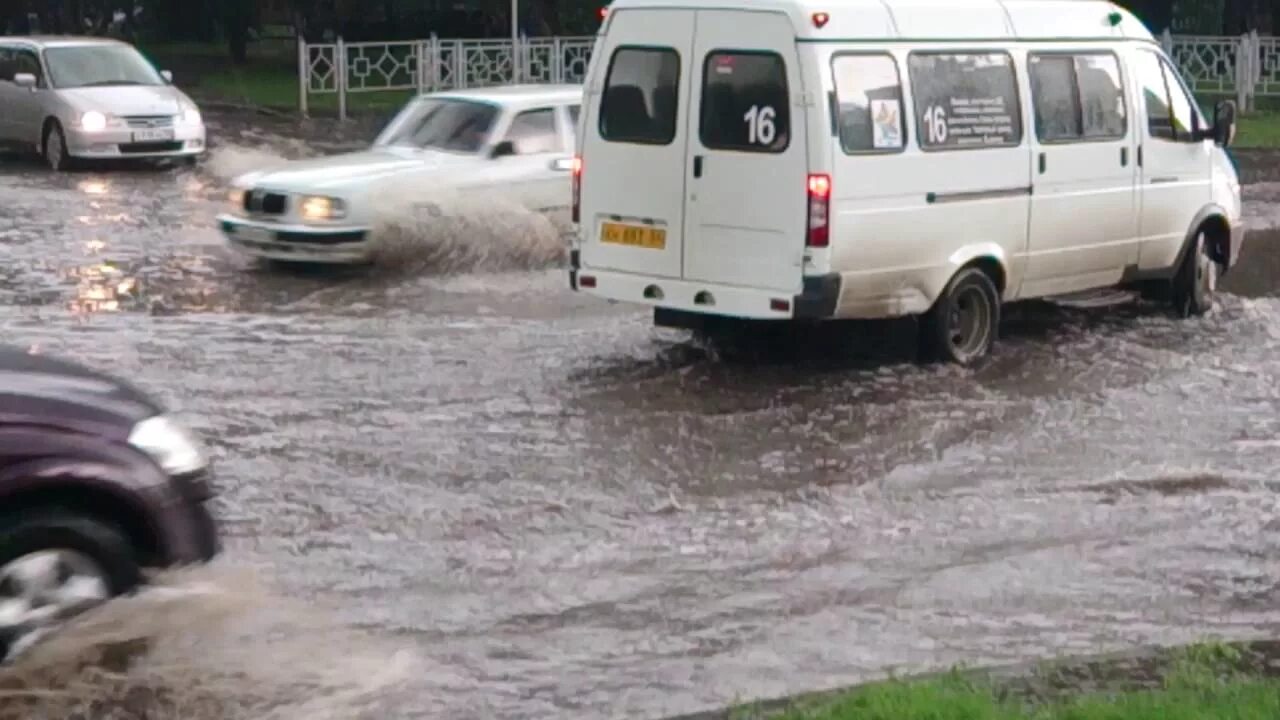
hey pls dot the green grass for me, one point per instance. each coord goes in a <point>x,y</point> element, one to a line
<point>1201,683</point>
<point>1260,129</point>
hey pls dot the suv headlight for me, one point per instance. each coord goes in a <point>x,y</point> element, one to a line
<point>169,444</point>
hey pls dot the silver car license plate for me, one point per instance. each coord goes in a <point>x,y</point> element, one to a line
<point>153,135</point>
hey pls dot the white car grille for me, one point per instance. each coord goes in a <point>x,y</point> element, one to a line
<point>141,122</point>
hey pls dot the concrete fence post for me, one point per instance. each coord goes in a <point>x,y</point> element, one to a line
<point>341,70</point>
<point>304,73</point>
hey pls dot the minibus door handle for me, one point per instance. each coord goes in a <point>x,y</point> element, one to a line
<point>697,166</point>
<point>1042,163</point>
<point>1124,157</point>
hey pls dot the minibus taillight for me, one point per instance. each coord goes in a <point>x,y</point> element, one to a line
<point>819,211</point>
<point>576,168</point>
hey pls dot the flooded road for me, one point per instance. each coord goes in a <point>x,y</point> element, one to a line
<point>553,510</point>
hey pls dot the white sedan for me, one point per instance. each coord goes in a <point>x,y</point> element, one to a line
<point>515,140</point>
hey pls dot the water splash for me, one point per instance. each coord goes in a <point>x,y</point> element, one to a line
<point>210,643</point>
<point>231,161</point>
<point>436,228</point>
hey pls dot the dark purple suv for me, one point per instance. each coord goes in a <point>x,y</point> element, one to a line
<point>97,484</point>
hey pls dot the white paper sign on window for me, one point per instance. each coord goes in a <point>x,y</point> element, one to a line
<point>886,116</point>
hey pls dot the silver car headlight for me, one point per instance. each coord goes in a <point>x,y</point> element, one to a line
<point>171,445</point>
<point>94,121</point>
<point>318,207</point>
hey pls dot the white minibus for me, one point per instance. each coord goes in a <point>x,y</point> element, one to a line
<point>801,160</point>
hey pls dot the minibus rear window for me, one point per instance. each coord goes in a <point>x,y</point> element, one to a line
<point>640,98</point>
<point>745,102</point>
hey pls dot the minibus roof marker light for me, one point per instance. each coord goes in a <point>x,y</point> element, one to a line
<point>820,19</point>
<point>1114,18</point>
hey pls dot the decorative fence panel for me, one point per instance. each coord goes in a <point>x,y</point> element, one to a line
<point>1245,67</point>
<point>428,65</point>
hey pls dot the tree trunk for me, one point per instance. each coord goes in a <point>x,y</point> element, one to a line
<point>238,15</point>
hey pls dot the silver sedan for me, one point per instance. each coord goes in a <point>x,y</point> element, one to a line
<point>74,99</point>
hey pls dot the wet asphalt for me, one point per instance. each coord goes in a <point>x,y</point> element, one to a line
<point>567,513</point>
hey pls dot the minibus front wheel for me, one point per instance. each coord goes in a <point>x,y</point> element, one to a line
<point>962,325</point>
<point>1196,281</point>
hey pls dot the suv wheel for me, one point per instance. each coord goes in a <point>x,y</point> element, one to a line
<point>55,565</point>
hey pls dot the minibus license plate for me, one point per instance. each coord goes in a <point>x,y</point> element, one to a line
<point>634,235</point>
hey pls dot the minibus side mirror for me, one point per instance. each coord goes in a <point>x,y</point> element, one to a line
<point>25,80</point>
<point>1224,123</point>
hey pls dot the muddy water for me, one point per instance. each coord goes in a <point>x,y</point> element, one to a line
<point>476,495</point>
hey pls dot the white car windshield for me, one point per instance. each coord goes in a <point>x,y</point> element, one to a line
<point>99,66</point>
<point>460,126</point>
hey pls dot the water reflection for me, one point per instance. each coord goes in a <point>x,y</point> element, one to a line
<point>94,187</point>
<point>100,288</point>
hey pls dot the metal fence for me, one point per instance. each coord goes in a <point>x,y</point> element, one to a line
<point>427,65</point>
<point>1245,67</point>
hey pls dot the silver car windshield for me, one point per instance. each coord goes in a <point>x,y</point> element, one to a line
<point>452,125</point>
<point>99,66</point>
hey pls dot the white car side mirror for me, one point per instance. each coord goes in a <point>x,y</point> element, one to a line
<point>562,164</point>
<point>168,76</point>
<point>25,80</point>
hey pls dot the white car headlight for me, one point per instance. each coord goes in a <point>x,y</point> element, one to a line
<point>93,121</point>
<point>191,116</point>
<point>317,207</point>
<point>169,444</point>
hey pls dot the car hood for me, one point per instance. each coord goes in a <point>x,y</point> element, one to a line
<point>358,171</point>
<point>51,391</point>
<point>125,100</point>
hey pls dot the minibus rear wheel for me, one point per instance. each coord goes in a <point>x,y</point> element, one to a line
<point>962,325</point>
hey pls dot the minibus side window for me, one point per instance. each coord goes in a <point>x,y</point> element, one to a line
<point>1102,102</point>
<point>1054,97</point>
<point>640,98</point>
<point>746,105</point>
<point>1077,97</point>
<point>1155,96</point>
<point>1182,107</point>
<point>869,99</point>
<point>965,101</point>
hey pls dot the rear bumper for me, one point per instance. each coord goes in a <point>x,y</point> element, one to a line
<point>817,299</point>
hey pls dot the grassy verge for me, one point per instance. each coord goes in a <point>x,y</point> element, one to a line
<point>1218,682</point>
<point>1259,129</point>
